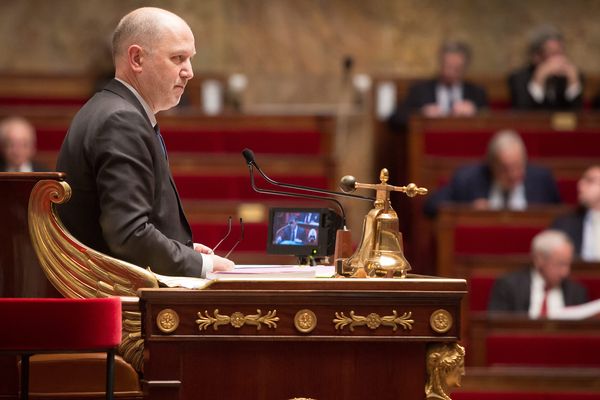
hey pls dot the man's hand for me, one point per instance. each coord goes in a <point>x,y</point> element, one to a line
<point>481,204</point>
<point>432,111</point>
<point>464,108</point>
<point>222,264</point>
<point>200,248</point>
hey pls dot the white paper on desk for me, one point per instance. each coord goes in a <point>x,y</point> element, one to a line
<point>182,281</point>
<point>274,272</point>
<point>581,311</point>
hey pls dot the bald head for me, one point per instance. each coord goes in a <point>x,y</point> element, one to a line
<point>17,141</point>
<point>152,50</point>
<point>142,27</point>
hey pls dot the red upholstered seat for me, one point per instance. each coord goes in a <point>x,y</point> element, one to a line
<point>45,325</point>
<point>543,350</point>
<point>494,239</point>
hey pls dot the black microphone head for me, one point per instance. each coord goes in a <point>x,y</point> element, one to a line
<point>249,156</point>
<point>348,183</point>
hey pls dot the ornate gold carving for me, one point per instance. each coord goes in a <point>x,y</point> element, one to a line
<point>305,321</point>
<point>167,320</point>
<point>441,321</point>
<point>76,270</point>
<point>445,368</point>
<point>131,347</point>
<point>373,321</point>
<point>237,320</point>
<point>302,398</point>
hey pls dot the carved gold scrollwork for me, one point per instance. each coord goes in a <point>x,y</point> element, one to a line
<point>132,343</point>
<point>441,321</point>
<point>373,321</point>
<point>237,319</point>
<point>445,368</point>
<point>167,320</point>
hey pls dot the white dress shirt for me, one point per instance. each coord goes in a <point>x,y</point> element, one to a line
<point>590,243</point>
<point>516,198</point>
<point>554,301</point>
<point>446,96</point>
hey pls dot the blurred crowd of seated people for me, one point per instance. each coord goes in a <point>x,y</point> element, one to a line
<point>504,180</point>
<point>544,287</point>
<point>549,80</point>
<point>18,146</point>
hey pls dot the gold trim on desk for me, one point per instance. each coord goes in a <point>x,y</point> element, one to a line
<point>373,321</point>
<point>237,319</point>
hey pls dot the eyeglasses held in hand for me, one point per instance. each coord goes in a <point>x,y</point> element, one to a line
<point>241,237</point>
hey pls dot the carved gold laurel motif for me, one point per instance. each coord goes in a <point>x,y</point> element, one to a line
<point>237,319</point>
<point>167,320</point>
<point>373,320</point>
<point>305,321</point>
<point>441,321</point>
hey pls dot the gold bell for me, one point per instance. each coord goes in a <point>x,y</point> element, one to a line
<point>380,252</point>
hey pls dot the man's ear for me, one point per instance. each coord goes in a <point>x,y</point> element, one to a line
<point>135,57</point>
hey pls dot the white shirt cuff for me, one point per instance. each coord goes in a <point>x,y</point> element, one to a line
<point>573,91</point>
<point>536,91</point>
<point>207,264</point>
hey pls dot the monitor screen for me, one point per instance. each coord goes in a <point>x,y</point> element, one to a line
<point>296,228</point>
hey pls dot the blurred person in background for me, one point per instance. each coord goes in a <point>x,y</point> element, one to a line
<point>545,286</point>
<point>18,146</point>
<point>505,180</point>
<point>447,94</point>
<point>550,81</point>
<point>583,224</point>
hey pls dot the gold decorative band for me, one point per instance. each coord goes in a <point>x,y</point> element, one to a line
<point>237,319</point>
<point>305,321</point>
<point>374,321</point>
<point>441,321</point>
<point>167,320</point>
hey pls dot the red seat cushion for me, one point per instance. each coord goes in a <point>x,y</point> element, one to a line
<point>543,350</point>
<point>494,239</point>
<point>36,324</point>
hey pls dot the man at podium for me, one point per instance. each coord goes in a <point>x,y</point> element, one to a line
<point>124,200</point>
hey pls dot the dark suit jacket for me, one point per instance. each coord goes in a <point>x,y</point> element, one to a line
<point>512,292</point>
<point>124,200</point>
<point>286,234</point>
<point>473,182</point>
<point>572,225</point>
<point>423,93</point>
<point>554,94</point>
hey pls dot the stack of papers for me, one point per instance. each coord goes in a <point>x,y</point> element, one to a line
<point>258,272</point>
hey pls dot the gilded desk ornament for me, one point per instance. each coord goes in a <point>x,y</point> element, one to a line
<point>441,321</point>
<point>78,271</point>
<point>237,319</point>
<point>305,321</point>
<point>445,369</point>
<point>167,320</point>
<point>380,252</point>
<point>373,321</point>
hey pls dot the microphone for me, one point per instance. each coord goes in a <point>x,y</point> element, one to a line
<point>343,243</point>
<point>250,160</point>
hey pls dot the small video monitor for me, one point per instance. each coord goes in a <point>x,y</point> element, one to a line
<point>302,231</point>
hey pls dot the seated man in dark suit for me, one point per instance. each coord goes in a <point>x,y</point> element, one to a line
<point>292,233</point>
<point>17,146</point>
<point>545,287</point>
<point>583,225</point>
<point>550,81</point>
<point>504,181</point>
<point>448,94</point>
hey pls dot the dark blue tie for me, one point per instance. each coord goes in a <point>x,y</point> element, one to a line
<point>160,139</point>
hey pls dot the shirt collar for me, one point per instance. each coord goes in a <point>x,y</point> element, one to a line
<point>149,112</point>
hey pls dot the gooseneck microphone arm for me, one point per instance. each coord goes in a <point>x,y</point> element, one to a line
<point>250,160</point>
<point>292,194</point>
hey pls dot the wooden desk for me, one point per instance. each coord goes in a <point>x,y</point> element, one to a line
<point>219,350</point>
